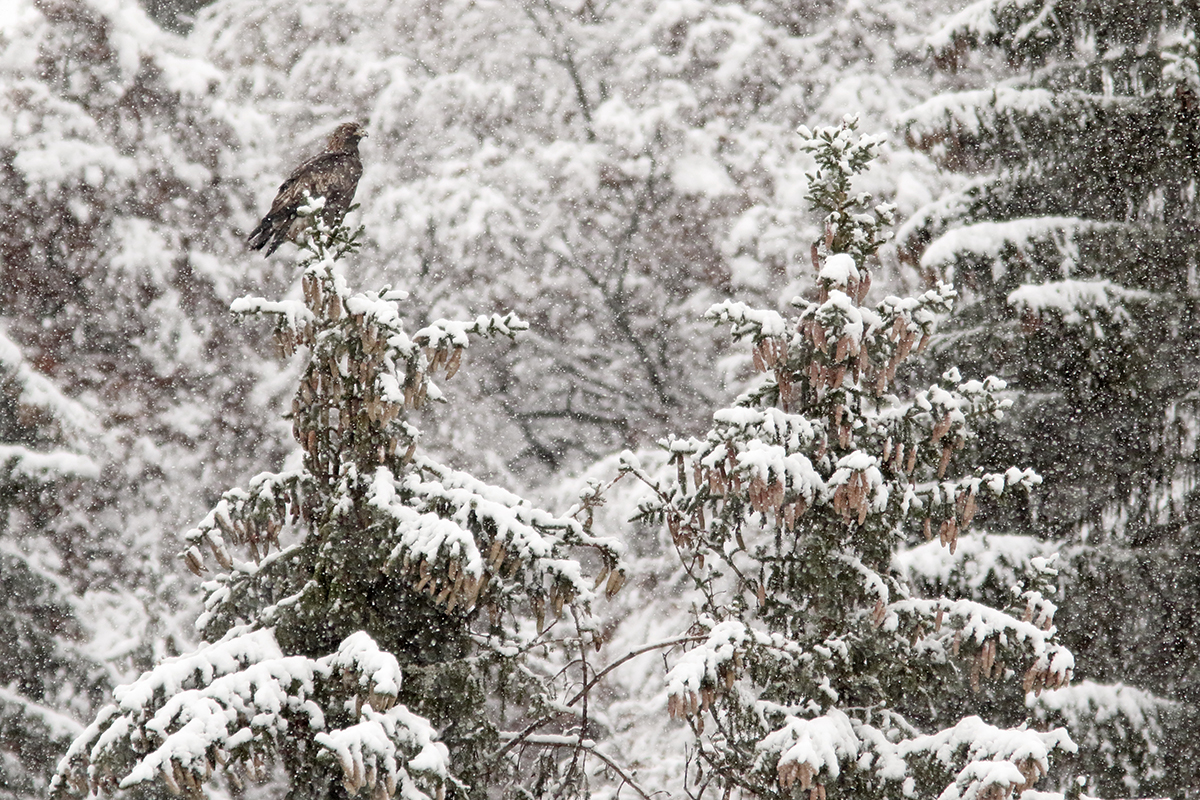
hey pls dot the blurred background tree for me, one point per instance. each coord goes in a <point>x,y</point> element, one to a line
<point>1074,244</point>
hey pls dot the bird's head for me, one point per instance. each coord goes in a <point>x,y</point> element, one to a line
<point>345,137</point>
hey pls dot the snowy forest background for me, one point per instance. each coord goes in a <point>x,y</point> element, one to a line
<point>608,171</point>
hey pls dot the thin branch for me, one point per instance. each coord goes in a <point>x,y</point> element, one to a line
<point>583,723</point>
<point>527,733</point>
<point>631,655</point>
<point>590,747</point>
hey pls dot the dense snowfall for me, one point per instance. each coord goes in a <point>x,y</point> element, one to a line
<point>705,399</point>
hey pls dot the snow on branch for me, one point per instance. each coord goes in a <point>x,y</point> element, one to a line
<point>22,463</point>
<point>233,702</point>
<point>992,637</point>
<point>988,241</point>
<point>455,536</point>
<point>747,321</point>
<point>1078,301</point>
<point>987,21</point>
<point>37,396</point>
<point>706,670</point>
<point>809,747</point>
<point>1004,118</point>
<point>998,761</point>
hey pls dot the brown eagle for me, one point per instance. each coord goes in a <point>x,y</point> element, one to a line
<point>333,174</point>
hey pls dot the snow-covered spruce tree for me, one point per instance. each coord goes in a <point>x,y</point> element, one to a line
<point>47,678</point>
<point>381,634</point>
<point>820,672</point>
<point>1074,248</point>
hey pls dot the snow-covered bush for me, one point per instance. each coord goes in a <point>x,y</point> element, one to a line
<point>382,631</point>
<point>819,668</point>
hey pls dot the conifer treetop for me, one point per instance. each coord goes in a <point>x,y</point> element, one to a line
<point>818,666</point>
<point>338,579</point>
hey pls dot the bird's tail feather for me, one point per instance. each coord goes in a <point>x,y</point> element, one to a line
<point>262,234</point>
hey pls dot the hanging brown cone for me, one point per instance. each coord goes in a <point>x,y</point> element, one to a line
<point>940,429</point>
<point>496,554</point>
<point>839,500</point>
<point>783,380</point>
<point>863,287</point>
<point>819,338</point>
<point>1034,679</point>
<point>968,509</point>
<point>220,553</point>
<point>425,574</point>
<point>778,490</point>
<point>454,362</point>
<point>539,613</point>
<point>814,374</point>
<point>615,581</point>
<point>600,576</point>
<point>945,462</point>
<point>194,562</point>
<point>673,527</point>
<point>989,657</point>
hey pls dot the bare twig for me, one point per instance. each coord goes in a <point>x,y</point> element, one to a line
<point>526,735</point>
<point>590,747</point>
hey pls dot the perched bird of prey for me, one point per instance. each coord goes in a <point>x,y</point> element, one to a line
<point>333,174</point>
